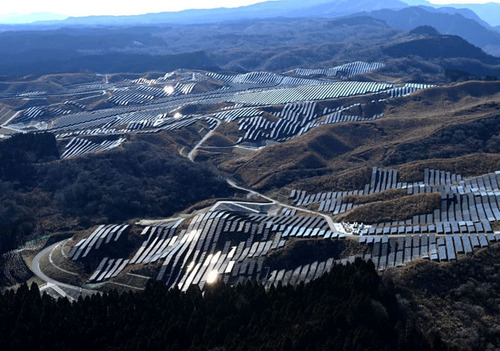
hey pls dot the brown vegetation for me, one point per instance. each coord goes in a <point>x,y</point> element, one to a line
<point>393,210</point>
<point>455,121</point>
<point>469,165</point>
<point>458,300</point>
<point>387,195</point>
<point>218,140</point>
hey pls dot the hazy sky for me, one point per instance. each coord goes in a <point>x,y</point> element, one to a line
<point>114,7</point>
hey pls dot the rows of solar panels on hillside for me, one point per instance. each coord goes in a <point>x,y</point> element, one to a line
<point>467,205</point>
<point>295,119</point>
<point>279,96</point>
<point>343,71</point>
<point>231,245</point>
<point>262,79</point>
<point>79,147</point>
<point>386,252</point>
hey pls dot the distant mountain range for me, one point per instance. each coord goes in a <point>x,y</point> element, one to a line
<point>483,13</point>
<point>15,18</point>
<point>457,20</point>
<point>489,12</point>
<point>268,9</point>
<point>446,22</point>
<point>273,36</point>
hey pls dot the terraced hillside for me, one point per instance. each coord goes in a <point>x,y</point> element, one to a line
<point>383,171</point>
<point>344,166</point>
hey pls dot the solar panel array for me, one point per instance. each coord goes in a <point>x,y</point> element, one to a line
<point>39,111</point>
<point>232,244</point>
<point>231,241</point>
<point>295,120</point>
<point>466,206</point>
<point>140,95</point>
<point>103,235</point>
<point>387,252</point>
<point>279,96</point>
<point>406,89</point>
<point>78,147</point>
<point>343,71</point>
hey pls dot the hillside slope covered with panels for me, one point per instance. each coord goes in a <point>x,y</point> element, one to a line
<point>444,122</point>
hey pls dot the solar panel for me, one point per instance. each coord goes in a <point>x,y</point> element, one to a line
<point>439,228</point>
<point>295,276</point>
<point>442,253</point>
<point>320,270</point>
<point>432,249</point>
<point>467,244</point>
<point>303,273</point>
<point>416,241</point>
<point>470,227</point>
<point>424,239</point>
<point>399,258</point>
<point>376,249</point>
<point>432,239</point>
<point>287,277</point>
<point>390,259</point>
<point>450,249</point>
<point>424,251</point>
<point>329,264</point>
<point>474,240</point>
<point>482,240</point>
<point>407,254</point>
<point>458,243</point>
<point>384,249</point>
<point>408,240</point>
<point>463,228</point>
<point>401,244</point>
<point>479,227</point>
<point>415,252</point>
<point>487,227</point>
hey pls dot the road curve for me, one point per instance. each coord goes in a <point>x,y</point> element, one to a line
<point>334,227</point>
<point>35,268</point>
<point>193,152</point>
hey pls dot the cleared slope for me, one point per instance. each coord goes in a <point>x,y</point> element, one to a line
<point>451,121</point>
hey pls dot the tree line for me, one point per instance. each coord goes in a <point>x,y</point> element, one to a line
<point>349,308</point>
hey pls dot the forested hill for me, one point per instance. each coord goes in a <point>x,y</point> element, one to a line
<point>41,194</point>
<point>348,309</point>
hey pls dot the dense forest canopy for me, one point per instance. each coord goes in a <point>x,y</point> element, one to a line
<point>348,309</point>
<point>40,193</point>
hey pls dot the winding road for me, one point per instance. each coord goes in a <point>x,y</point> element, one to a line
<point>334,227</point>
<point>35,267</point>
<point>193,152</point>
